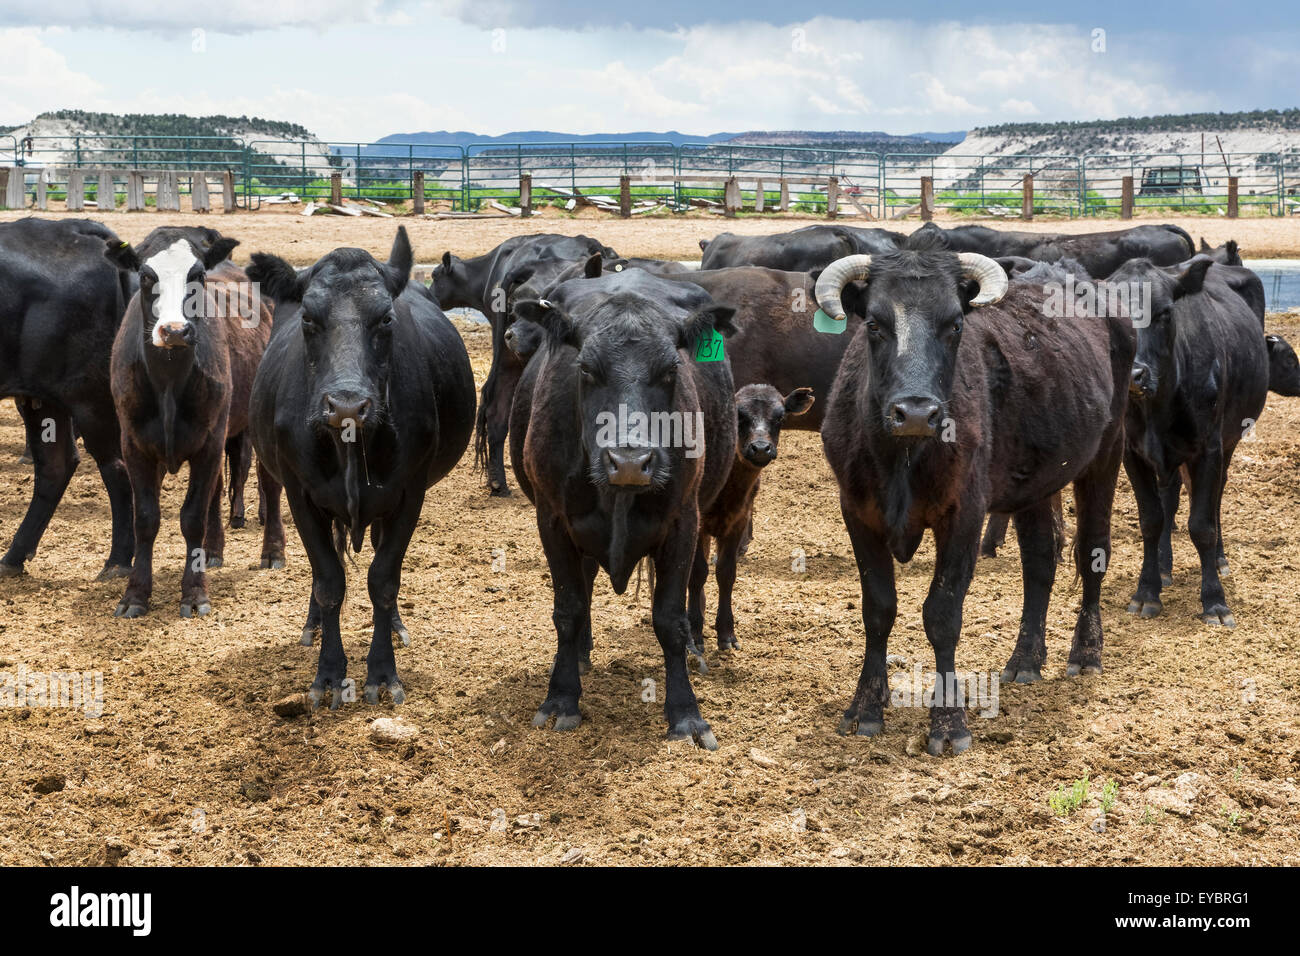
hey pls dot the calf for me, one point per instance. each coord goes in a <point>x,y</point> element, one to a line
<point>182,367</point>
<point>364,400</point>
<point>1283,367</point>
<point>60,306</point>
<point>489,283</point>
<point>1199,382</point>
<point>953,401</point>
<point>609,491</point>
<point>760,413</point>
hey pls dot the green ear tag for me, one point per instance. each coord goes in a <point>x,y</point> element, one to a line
<point>709,347</point>
<point>824,323</point>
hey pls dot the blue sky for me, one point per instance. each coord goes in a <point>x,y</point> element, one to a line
<point>360,69</point>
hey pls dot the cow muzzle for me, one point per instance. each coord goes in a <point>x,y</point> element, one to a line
<point>173,335</point>
<point>343,410</point>
<point>629,467</point>
<point>914,417</point>
<point>760,453</point>
<point>1142,381</point>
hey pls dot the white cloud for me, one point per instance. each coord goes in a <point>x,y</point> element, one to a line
<point>34,77</point>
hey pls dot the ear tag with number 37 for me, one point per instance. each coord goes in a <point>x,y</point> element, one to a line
<point>824,323</point>
<point>708,348</point>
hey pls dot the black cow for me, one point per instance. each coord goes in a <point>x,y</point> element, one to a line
<point>1228,254</point>
<point>611,488</point>
<point>801,250</point>
<point>364,399</point>
<point>1283,367</point>
<point>60,305</point>
<point>489,283</point>
<point>761,410</point>
<point>949,404</point>
<point>1199,382</point>
<point>1099,253</point>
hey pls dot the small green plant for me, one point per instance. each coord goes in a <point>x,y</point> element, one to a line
<point>1109,791</point>
<point>1064,802</point>
<point>1236,773</point>
<point>1153,815</point>
<point>1232,817</point>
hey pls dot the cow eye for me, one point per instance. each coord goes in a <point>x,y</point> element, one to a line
<point>588,375</point>
<point>388,320</point>
<point>308,323</point>
<point>873,326</point>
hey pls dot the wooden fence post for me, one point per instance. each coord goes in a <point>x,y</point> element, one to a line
<point>1232,197</point>
<point>1126,198</point>
<point>731,197</point>
<point>134,190</point>
<point>5,173</point>
<point>336,188</point>
<point>168,197</point>
<point>1027,197</point>
<point>106,194</point>
<point>759,198</point>
<point>227,192</point>
<point>526,195</point>
<point>832,197</point>
<point>417,192</point>
<point>76,200</point>
<point>783,204</point>
<point>625,196</point>
<point>927,198</point>
<point>200,199</point>
<point>42,199</point>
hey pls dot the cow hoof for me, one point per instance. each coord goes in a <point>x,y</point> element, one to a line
<point>394,688</point>
<point>1145,608</point>
<point>1220,615</point>
<point>110,572</point>
<point>26,459</point>
<point>193,607</point>
<point>1222,565</point>
<point>15,570</point>
<point>870,728</point>
<point>1166,579</point>
<point>695,655</point>
<point>851,724</point>
<point>940,740</point>
<point>947,729</point>
<point>308,636</point>
<point>500,491</point>
<point>988,552</point>
<point>316,695</point>
<point>215,561</point>
<point>1074,670</point>
<point>271,564</point>
<point>1020,673</point>
<point>565,713</point>
<point>236,522</point>
<point>130,610</point>
<point>584,663</point>
<point>728,644</point>
<point>695,729</point>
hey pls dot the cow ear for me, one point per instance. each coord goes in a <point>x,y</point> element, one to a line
<point>1271,341</point>
<point>446,260</point>
<point>594,266</point>
<point>1205,246</point>
<point>122,254</point>
<point>854,298</point>
<point>276,278</point>
<point>1192,278</point>
<point>704,244</point>
<point>703,321</point>
<point>799,401</point>
<point>398,269</point>
<point>1232,247</point>
<point>560,330</point>
<point>218,252</point>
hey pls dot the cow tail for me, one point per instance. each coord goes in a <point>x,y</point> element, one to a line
<point>1182,233</point>
<point>341,546</point>
<point>488,393</point>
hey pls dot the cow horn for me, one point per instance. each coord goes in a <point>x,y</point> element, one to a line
<point>833,280</point>
<point>987,275</point>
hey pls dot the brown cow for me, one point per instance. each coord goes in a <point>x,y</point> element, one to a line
<point>181,373</point>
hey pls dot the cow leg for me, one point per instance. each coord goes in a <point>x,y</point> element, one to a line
<point>312,628</point>
<point>273,526</point>
<point>590,568</point>
<point>1221,559</point>
<point>866,712</point>
<point>673,629</point>
<point>497,420</point>
<point>995,535</point>
<point>239,456</point>
<point>199,512</point>
<point>1169,495</point>
<point>214,535</point>
<point>54,452</point>
<point>146,475</point>
<point>695,601</point>
<point>1058,525</point>
<point>1151,519</point>
<point>725,624</point>
<point>99,431</point>
<point>1035,533</point>
<point>383,581</point>
<point>570,614</point>
<point>956,550</point>
<point>1203,527</point>
<point>328,585</point>
<point>1094,499</point>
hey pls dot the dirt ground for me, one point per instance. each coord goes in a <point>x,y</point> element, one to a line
<point>1197,728</point>
<point>304,240</point>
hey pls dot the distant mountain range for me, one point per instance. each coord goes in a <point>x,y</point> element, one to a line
<point>752,138</point>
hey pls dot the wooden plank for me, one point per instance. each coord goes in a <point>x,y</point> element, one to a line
<point>42,197</point>
<point>76,201</point>
<point>759,198</point>
<point>731,197</point>
<point>168,195</point>
<point>832,197</point>
<point>1027,197</point>
<point>200,198</point>
<point>344,210</point>
<point>310,209</point>
<point>5,174</point>
<point>526,195</point>
<point>625,196</point>
<point>1126,198</point>
<point>134,191</point>
<point>927,198</point>
<point>1232,197</point>
<point>500,207</point>
<point>783,205</point>
<point>417,191</point>
<point>228,192</point>
<point>105,195</point>
<point>336,189</point>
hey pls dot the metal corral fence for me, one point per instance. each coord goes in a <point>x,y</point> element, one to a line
<point>653,175</point>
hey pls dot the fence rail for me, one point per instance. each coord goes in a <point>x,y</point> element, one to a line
<point>844,182</point>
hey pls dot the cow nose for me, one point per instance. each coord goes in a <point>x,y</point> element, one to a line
<point>1140,378</point>
<point>339,411</point>
<point>175,334</point>
<point>915,416</point>
<point>760,452</point>
<point>629,467</point>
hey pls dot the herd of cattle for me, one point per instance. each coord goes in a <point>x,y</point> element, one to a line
<point>945,383</point>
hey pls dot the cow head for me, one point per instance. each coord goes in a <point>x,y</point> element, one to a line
<point>524,338</point>
<point>628,384</point>
<point>451,284</point>
<point>1228,254</point>
<point>916,301</point>
<point>760,411</point>
<point>1283,366</point>
<point>347,317</point>
<point>1153,366</point>
<point>172,265</point>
